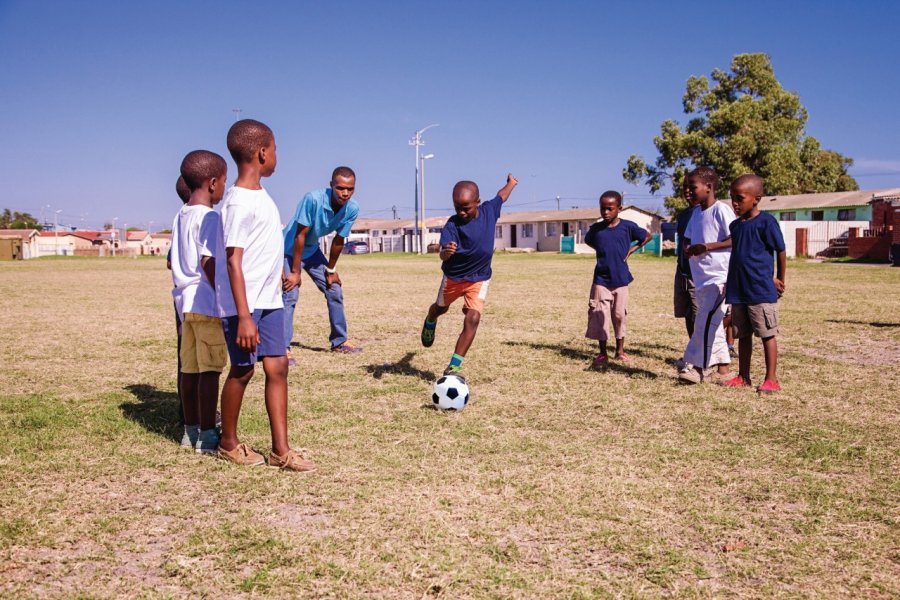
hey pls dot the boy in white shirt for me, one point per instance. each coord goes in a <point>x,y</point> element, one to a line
<point>708,255</point>
<point>251,300</point>
<point>197,242</point>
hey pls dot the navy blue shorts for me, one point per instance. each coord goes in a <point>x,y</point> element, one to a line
<point>270,322</point>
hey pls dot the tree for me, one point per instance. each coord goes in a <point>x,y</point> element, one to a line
<point>745,123</point>
<point>18,220</point>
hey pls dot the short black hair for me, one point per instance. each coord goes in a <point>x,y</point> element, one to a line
<point>612,194</point>
<point>755,181</point>
<point>201,165</point>
<point>707,175</point>
<point>343,172</point>
<point>466,185</point>
<point>246,137</point>
<point>182,189</point>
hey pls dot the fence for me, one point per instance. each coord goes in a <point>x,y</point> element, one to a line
<point>818,234</point>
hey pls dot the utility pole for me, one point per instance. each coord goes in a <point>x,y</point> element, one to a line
<point>557,202</point>
<point>394,209</point>
<point>417,141</point>
<point>56,231</point>
<point>237,114</point>
<point>424,228</point>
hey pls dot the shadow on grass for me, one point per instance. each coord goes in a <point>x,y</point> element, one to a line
<point>869,323</point>
<point>310,348</point>
<point>401,367</point>
<point>583,355</point>
<point>155,410</point>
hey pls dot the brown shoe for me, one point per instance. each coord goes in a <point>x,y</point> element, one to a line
<point>294,460</point>
<point>241,455</point>
<point>347,347</point>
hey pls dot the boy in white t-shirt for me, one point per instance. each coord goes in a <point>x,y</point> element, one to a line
<point>196,245</point>
<point>708,256</point>
<point>251,302</point>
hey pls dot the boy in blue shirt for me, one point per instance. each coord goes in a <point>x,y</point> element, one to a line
<point>612,239</point>
<point>319,213</point>
<point>467,247</point>
<point>751,290</point>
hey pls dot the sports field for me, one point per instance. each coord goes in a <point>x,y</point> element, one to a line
<point>557,481</point>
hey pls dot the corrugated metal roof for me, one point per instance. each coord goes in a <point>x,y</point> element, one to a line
<point>824,200</point>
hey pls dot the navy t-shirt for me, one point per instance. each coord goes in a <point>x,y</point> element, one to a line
<point>474,243</point>
<point>684,266</point>
<point>611,245</point>
<point>752,266</point>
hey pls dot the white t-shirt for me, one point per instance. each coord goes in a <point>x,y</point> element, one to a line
<point>251,221</point>
<point>710,225</point>
<point>196,233</point>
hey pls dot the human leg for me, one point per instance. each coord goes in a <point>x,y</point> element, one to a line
<point>334,298</point>
<point>619,316</point>
<point>290,304</point>
<point>276,393</point>
<point>707,345</point>
<point>599,315</point>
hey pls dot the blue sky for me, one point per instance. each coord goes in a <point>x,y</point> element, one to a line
<point>101,100</point>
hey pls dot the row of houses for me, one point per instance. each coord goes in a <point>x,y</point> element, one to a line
<point>860,224</point>
<point>33,243</point>
<point>539,231</point>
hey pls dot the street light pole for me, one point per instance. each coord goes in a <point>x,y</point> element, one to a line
<point>424,227</point>
<point>56,231</point>
<point>417,141</point>
<point>115,219</point>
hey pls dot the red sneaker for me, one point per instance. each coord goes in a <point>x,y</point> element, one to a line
<point>769,387</point>
<point>736,382</point>
<point>601,360</point>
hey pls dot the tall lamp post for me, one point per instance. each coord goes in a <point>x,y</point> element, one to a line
<point>417,141</point>
<point>115,219</point>
<point>424,227</point>
<point>56,231</point>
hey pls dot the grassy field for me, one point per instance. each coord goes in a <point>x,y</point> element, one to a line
<point>557,481</point>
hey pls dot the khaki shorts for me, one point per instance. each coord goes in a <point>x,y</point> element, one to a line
<point>202,344</point>
<point>754,319</point>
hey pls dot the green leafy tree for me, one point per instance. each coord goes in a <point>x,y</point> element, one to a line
<point>17,220</point>
<point>742,122</point>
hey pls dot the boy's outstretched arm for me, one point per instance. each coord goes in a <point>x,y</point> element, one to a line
<point>507,189</point>
<point>780,271</point>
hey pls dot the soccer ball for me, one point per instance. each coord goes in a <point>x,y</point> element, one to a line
<point>450,393</point>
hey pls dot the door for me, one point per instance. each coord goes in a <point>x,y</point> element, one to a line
<point>566,228</point>
<point>512,236</point>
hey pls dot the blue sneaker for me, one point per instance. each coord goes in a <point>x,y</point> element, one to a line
<point>189,439</point>
<point>207,441</point>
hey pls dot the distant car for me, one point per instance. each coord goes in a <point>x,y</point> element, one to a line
<point>356,247</point>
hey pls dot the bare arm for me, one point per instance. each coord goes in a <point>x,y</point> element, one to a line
<point>507,189</point>
<point>634,249</point>
<point>247,333</point>
<point>292,279</point>
<point>337,246</point>
<point>698,249</point>
<point>780,272</point>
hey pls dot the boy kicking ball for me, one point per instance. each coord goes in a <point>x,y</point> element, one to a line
<point>751,290</point>
<point>467,247</point>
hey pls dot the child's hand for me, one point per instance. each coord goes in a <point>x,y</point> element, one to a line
<point>247,334</point>
<point>779,286</point>
<point>510,180</point>
<point>448,250</point>
<point>697,250</point>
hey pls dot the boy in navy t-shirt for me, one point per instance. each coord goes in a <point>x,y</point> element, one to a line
<point>612,239</point>
<point>751,290</point>
<point>467,247</point>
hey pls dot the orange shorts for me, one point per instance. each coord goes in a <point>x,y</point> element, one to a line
<point>472,292</point>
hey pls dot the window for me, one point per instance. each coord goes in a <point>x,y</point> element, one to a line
<point>549,229</point>
<point>847,214</point>
<point>818,215</point>
<point>527,230</point>
<point>499,233</point>
<point>788,216</point>
<point>374,233</point>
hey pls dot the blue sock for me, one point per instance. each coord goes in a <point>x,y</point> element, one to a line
<point>456,360</point>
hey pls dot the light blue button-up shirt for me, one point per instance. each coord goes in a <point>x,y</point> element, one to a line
<point>315,212</point>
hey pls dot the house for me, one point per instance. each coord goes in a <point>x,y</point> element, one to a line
<point>881,240</point>
<point>29,240</point>
<point>158,244</point>
<point>820,217</point>
<point>541,230</point>
<point>138,241</point>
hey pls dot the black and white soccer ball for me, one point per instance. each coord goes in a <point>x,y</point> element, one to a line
<point>450,393</point>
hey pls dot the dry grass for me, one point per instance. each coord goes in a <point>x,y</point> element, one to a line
<point>558,481</point>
